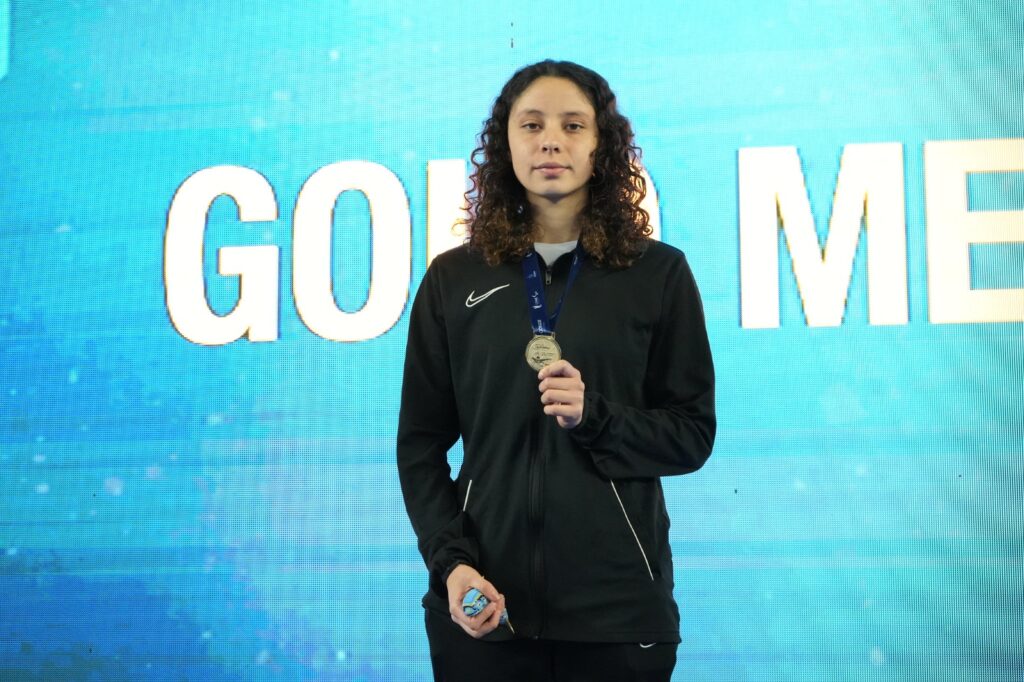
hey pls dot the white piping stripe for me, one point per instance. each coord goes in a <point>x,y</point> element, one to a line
<point>468,488</point>
<point>631,530</point>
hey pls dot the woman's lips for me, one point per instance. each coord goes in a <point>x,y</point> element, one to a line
<point>551,170</point>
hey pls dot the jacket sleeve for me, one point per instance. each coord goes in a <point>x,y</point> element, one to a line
<point>673,433</point>
<point>428,426</point>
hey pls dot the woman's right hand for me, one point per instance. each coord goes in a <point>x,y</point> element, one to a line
<point>460,581</point>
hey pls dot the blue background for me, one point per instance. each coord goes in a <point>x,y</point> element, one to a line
<point>173,511</point>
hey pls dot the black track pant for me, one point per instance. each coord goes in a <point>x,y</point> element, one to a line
<point>457,657</point>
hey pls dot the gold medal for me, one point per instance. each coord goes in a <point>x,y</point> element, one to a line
<point>542,350</point>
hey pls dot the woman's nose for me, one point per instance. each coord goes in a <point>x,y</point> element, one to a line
<point>551,145</point>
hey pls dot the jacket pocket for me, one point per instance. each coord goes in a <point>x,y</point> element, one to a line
<point>632,529</point>
<point>464,492</point>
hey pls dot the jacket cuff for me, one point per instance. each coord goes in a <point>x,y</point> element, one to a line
<point>448,571</point>
<point>462,550</point>
<point>594,421</point>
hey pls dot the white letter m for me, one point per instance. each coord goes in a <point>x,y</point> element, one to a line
<point>772,193</point>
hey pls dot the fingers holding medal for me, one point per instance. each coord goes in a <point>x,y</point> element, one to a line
<point>561,388</point>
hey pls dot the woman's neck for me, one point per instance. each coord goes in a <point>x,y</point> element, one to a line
<point>556,222</point>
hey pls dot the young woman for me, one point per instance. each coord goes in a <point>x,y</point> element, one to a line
<point>569,352</point>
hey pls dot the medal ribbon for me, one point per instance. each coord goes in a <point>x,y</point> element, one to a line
<point>539,319</point>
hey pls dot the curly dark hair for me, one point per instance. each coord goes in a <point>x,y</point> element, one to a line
<point>614,229</point>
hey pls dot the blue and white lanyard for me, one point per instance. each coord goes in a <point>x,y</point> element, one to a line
<point>539,319</point>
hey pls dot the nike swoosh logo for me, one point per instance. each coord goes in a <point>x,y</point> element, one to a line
<point>647,646</point>
<point>470,301</point>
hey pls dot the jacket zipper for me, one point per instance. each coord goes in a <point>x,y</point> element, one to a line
<point>631,530</point>
<point>534,512</point>
<point>535,518</point>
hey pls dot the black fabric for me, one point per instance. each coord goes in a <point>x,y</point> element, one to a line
<point>457,657</point>
<point>570,525</point>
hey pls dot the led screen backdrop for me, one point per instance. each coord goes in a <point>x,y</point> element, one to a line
<point>213,217</point>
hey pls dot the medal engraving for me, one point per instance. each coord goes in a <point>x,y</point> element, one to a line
<point>541,351</point>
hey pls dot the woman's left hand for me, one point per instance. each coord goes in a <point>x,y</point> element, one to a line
<point>561,392</point>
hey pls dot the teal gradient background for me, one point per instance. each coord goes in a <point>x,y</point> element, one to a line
<point>174,511</point>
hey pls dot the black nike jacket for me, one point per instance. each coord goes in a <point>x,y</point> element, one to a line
<point>570,525</point>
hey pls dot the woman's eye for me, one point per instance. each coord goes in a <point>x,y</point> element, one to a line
<point>531,126</point>
<point>574,126</point>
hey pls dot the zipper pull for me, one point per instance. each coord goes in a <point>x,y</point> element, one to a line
<point>547,277</point>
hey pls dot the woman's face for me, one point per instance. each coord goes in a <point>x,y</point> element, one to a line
<point>552,135</point>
